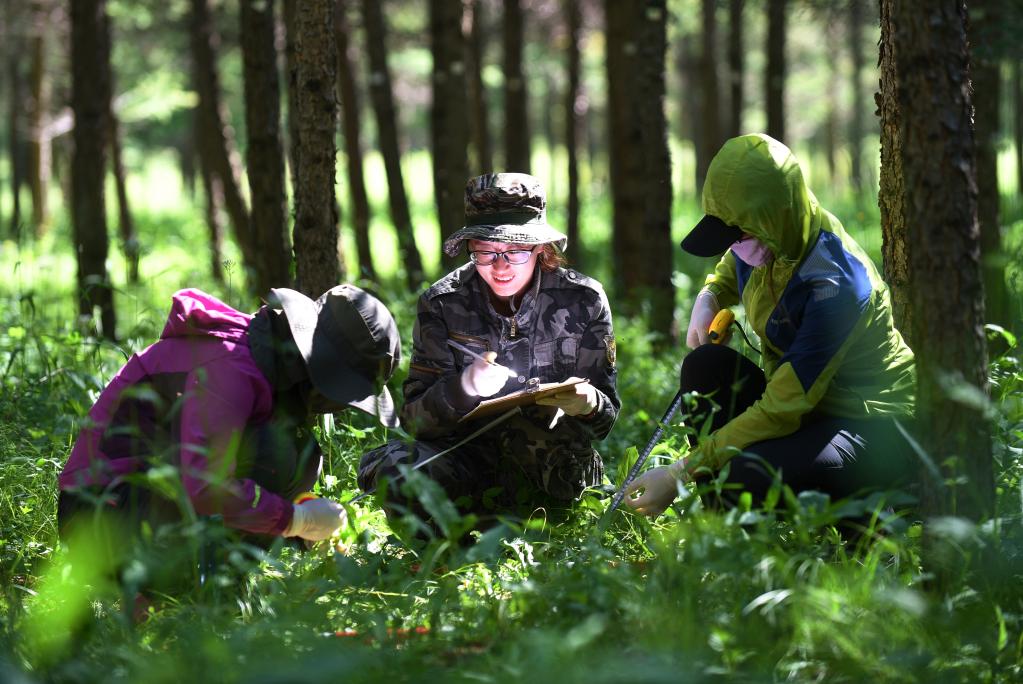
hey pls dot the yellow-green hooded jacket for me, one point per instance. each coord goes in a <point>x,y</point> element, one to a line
<point>820,308</point>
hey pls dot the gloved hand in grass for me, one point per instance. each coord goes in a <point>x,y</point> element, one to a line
<point>316,519</point>
<point>653,491</point>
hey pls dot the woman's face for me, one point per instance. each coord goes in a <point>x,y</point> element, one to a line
<point>504,278</point>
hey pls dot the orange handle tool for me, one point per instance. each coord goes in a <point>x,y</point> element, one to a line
<point>719,326</point>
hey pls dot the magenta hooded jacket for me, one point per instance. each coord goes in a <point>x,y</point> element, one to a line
<point>202,358</point>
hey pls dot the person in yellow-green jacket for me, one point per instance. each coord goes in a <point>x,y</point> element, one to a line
<point>836,373</point>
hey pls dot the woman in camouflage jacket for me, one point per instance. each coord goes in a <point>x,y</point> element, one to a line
<point>531,320</point>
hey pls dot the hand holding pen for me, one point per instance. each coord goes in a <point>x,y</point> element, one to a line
<point>484,378</point>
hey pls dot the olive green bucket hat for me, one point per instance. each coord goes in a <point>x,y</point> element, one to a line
<point>350,344</point>
<point>505,207</point>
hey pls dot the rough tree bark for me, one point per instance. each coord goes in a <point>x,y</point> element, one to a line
<point>318,265</point>
<point>264,154</point>
<point>382,98</point>
<point>941,213</point>
<point>640,166</point>
<point>892,195</point>
<point>516,92</point>
<point>481,143</point>
<point>90,101</point>
<point>449,124</point>
<point>657,171</point>
<point>775,72</point>
<point>351,125</point>
<point>218,135</point>
<point>626,167</point>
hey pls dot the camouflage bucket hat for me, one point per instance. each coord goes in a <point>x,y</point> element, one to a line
<point>505,207</point>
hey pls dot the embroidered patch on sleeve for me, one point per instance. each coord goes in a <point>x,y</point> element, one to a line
<point>612,350</point>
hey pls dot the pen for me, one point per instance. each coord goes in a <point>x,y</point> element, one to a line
<point>463,348</point>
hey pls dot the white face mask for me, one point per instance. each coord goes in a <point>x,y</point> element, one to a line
<point>752,251</point>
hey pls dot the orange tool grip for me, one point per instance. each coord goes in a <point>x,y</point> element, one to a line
<point>719,326</point>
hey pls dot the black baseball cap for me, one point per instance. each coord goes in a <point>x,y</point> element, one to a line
<point>710,237</point>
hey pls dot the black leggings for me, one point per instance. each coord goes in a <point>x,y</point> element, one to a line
<point>838,456</point>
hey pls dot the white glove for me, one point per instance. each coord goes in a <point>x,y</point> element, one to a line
<point>705,308</point>
<point>316,519</point>
<point>659,487</point>
<point>483,379</point>
<point>578,400</point>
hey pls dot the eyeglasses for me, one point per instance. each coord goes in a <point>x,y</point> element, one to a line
<point>512,256</point>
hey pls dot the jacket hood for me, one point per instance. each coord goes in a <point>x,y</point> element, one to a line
<point>754,182</point>
<point>197,314</point>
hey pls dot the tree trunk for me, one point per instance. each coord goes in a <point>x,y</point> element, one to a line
<point>941,213</point>
<point>656,175</point>
<point>484,162</point>
<point>776,69</point>
<point>985,72</point>
<point>264,154</point>
<point>39,140</point>
<point>214,194</point>
<point>640,165</point>
<point>891,198</point>
<point>516,111</point>
<point>1017,128</point>
<point>736,67</point>
<point>710,138</point>
<point>90,101</point>
<point>290,16</point>
<point>831,120</point>
<point>856,119</point>
<point>14,130</point>
<point>219,136</point>
<point>130,246</point>
<point>449,125</point>
<point>382,98</point>
<point>626,164</point>
<point>318,264</point>
<point>574,103</point>
<point>351,125</point>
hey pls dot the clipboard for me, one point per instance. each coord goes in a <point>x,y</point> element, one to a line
<point>525,397</point>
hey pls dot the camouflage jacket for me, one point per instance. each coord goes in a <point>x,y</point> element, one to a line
<point>562,328</point>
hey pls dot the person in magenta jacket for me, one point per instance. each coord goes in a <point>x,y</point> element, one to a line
<point>226,398</point>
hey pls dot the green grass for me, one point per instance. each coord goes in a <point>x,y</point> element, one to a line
<point>751,595</point>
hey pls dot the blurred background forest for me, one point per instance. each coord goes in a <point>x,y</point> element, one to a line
<point>234,146</point>
<point>191,112</point>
